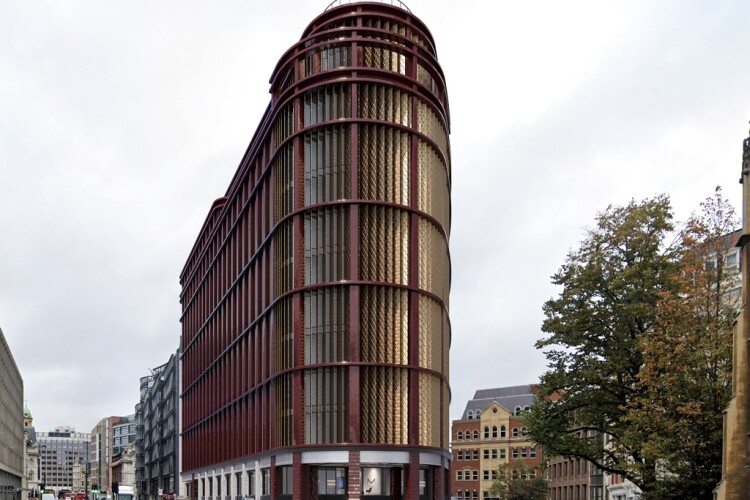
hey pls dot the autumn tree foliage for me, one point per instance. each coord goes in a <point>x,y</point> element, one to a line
<point>638,345</point>
<point>685,380</point>
<point>518,481</point>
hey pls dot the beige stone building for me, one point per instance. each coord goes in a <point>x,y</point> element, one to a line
<point>735,482</point>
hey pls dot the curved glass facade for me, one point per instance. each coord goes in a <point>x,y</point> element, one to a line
<point>315,300</point>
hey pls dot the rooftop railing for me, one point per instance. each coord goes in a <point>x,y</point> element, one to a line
<point>396,3</point>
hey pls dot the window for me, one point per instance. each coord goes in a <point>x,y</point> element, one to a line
<point>475,475</point>
<point>494,453</point>
<point>524,431</point>
<point>265,479</point>
<point>285,485</point>
<point>515,453</point>
<point>532,453</point>
<point>502,431</point>
<point>517,412</point>
<point>494,431</point>
<point>515,432</point>
<point>460,495</point>
<point>502,452</point>
<point>470,415</point>
<point>486,432</point>
<point>486,475</point>
<point>459,455</point>
<point>532,474</point>
<point>486,454</point>
<point>476,434</point>
<point>460,475</point>
<point>494,475</point>
<point>476,454</point>
<point>523,453</point>
<point>332,480</point>
<point>459,436</point>
<point>514,474</point>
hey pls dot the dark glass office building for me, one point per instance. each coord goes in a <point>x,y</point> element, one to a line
<point>315,299</point>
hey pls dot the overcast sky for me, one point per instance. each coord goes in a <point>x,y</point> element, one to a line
<point>120,123</point>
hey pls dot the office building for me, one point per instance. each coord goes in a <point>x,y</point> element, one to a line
<point>490,433</point>
<point>157,432</point>
<point>315,299</point>
<point>59,451</point>
<point>11,423</point>
<point>102,450</point>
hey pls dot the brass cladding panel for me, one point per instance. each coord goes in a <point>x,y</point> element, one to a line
<point>384,164</point>
<point>326,325</point>
<point>327,161</point>
<point>384,325</point>
<point>430,410</point>
<point>283,411</point>
<point>383,58</point>
<point>430,334</point>
<point>430,125</point>
<point>326,245</point>
<point>326,405</point>
<point>283,250</point>
<point>384,405</point>
<point>433,192</point>
<point>383,102</point>
<point>434,263</point>
<point>384,244</point>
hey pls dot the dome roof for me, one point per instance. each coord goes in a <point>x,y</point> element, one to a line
<point>26,412</point>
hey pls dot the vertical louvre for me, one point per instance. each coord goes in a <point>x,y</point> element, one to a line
<point>382,102</point>
<point>327,164</point>
<point>446,345</point>
<point>326,245</point>
<point>283,411</point>
<point>283,331</point>
<point>425,78</point>
<point>283,252</point>
<point>326,401</point>
<point>383,24</point>
<point>284,182</point>
<point>434,263</point>
<point>326,325</point>
<point>384,244</point>
<point>429,410</point>
<point>326,103</point>
<point>384,325</point>
<point>326,59</point>
<point>384,404</point>
<point>433,193</point>
<point>430,334</point>
<point>430,125</point>
<point>284,125</point>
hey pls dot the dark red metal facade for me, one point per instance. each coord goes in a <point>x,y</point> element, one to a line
<point>315,299</point>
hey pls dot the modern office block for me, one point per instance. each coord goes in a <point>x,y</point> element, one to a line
<point>315,299</point>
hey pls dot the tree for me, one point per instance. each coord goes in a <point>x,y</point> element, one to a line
<point>640,349</point>
<point>517,481</point>
<point>610,288</point>
<point>685,380</point>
